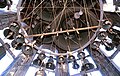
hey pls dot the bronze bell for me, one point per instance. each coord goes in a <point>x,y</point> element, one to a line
<point>102,35</point>
<point>40,73</point>
<point>61,59</point>
<point>14,26</point>
<point>16,45</point>
<point>109,46</point>
<point>8,34</point>
<point>19,38</point>
<point>50,64</point>
<point>71,58</point>
<point>87,65</point>
<point>27,50</point>
<point>41,56</point>
<point>3,3</point>
<point>75,65</point>
<point>95,45</point>
<point>106,24</point>
<point>81,55</point>
<point>37,62</point>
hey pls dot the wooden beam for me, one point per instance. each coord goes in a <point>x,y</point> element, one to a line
<point>65,31</point>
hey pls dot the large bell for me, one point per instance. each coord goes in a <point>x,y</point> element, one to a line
<point>14,26</point>
<point>58,19</point>
<point>50,64</point>
<point>2,52</point>
<point>75,39</point>
<point>8,34</point>
<point>16,45</point>
<point>3,3</point>
<point>27,50</point>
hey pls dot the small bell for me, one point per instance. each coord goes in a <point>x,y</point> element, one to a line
<point>27,50</point>
<point>71,58</point>
<point>40,73</point>
<point>95,45</point>
<point>81,55</point>
<point>19,38</point>
<point>41,56</point>
<point>51,59</point>
<point>106,24</point>
<point>109,46</point>
<point>75,65</point>
<point>116,40</point>
<point>14,26</point>
<point>61,59</point>
<point>87,66</point>
<point>50,64</point>
<point>37,62</point>
<point>8,34</point>
<point>102,35</point>
<point>16,45</point>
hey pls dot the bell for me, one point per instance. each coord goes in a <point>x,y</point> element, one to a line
<point>16,45</point>
<point>102,35</point>
<point>106,24</point>
<point>61,59</point>
<point>40,73</point>
<point>8,34</point>
<point>109,46</point>
<point>27,50</point>
<point>37,62</point>
<point>75,65</point>
<point>71,58</point>
<point>95,45</point>
<point>81,55</point>
<point>14,26</point>
<point>86,61</point>
<point>50,64</point>
<point>87,66</point>
<point>41,56</point>
<point>3,3</point>
<point>116,40</point>
<point>2,52</point>
<point>19,38</point>
<point>51,59</point>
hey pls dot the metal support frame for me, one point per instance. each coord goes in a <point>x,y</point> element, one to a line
<point>19,66</point>
<point>6,46</point>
